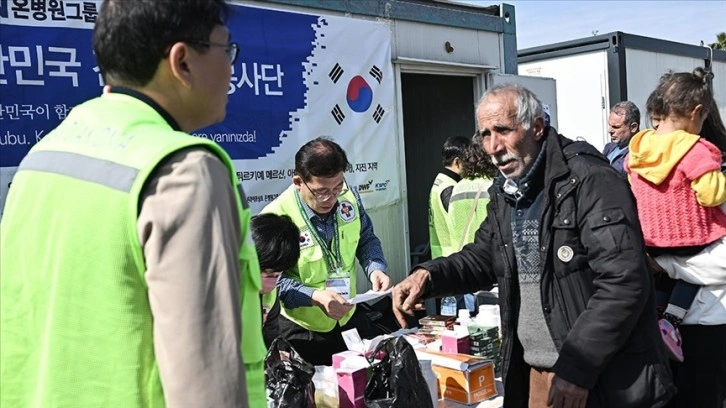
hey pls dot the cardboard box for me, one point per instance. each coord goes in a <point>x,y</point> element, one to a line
<point>453,342</point>
<point>351,387</point>
<point>339,357</point>
<point>464,378</point>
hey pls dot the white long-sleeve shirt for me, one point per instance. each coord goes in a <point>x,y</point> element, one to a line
<point>707,269</point>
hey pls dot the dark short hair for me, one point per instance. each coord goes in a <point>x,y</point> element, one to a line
<point>454,147</point>
<point>131,37</point>
<point>629,110</point>
<point>277,241</point>
<point>320,157</point>
<point>477,162</point>
<point>654,104</point>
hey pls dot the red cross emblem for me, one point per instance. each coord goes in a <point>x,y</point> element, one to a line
<point>347,211</point>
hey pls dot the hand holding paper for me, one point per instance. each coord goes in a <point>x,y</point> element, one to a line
<point>370,295</point>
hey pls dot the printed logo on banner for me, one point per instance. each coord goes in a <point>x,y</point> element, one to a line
<point>382,186</point>
<point>365,187</point>
<point>370,186</point>
<point>346,211</point>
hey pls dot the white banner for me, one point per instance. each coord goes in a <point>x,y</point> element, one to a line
<point>350,98</point>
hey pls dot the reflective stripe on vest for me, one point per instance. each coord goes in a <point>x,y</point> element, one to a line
<point>460,210</point>
<point>82,167</point>
<point>311,268</point>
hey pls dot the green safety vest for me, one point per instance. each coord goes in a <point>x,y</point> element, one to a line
<point>75,319</point>
<point>460,210</point>
<point>312,268</point>
<point>438,228</point>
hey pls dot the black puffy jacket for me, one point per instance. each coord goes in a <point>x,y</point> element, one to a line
<point>599,305</point>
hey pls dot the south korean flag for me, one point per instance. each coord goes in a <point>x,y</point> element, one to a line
<point>306,239</point>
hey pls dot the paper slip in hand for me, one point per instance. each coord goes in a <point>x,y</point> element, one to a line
<point>370,295</point>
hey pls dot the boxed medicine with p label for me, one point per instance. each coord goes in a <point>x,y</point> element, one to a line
<point>463,378</point>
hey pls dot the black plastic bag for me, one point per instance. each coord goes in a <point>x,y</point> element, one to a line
<point>397,381</point>
<point>289,378</point>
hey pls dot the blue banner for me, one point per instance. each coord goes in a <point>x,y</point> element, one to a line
<point>298,76</point>
<point>46,71</point>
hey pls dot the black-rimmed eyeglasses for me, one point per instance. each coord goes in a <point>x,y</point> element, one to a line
<point>231,49</point>
<point>323,196</point>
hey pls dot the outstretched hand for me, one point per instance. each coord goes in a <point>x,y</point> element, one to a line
<point>380,280</point>
<point>407,295</point>
<point>334,305</point>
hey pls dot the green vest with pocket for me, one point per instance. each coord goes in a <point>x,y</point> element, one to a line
<point>312,269</point>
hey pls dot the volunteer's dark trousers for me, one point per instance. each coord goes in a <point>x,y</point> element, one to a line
<point>317,348</point>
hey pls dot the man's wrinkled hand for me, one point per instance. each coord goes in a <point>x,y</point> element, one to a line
<point>564,394</point>
<point>334,305</point>
<point>407,295</point>
<point>380,280</point>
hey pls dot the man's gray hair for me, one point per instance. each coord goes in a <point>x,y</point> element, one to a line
<point>528,106</point>
<point>629,110</point>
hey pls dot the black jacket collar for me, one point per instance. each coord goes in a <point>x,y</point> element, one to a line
<point>557,151</point>
<point>451,174</point>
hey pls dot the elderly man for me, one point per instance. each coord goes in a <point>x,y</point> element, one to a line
<point>128,275</point>
<point>563,242</point>
<point>623,123</point>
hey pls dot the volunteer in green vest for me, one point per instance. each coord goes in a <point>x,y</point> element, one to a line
<point>129,278</point>
<point>334,231</point>
<point>452,154</point>
<point>469,199</point>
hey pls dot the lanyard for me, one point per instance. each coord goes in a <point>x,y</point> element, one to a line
<point>331,255</point>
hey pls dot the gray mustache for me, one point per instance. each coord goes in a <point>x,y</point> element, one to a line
<point>501,159</point>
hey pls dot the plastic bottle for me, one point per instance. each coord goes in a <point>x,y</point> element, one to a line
<point>448,306</point>
<point>431,381</point>
<point>488,316</point>
<point>464,319</point>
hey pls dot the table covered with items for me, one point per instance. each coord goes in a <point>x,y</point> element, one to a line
<point>445,362</point>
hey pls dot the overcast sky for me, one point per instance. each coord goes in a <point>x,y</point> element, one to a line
<point>547,22</point>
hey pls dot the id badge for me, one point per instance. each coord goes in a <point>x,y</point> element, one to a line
<point>339,282</point>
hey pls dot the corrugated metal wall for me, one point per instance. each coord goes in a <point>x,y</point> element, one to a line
<point>645,68</point>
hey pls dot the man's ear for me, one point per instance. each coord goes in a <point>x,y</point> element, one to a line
<point>634,127</point>
<point>297,181</point>
<point>539,128</point>
<point>179,64</point>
